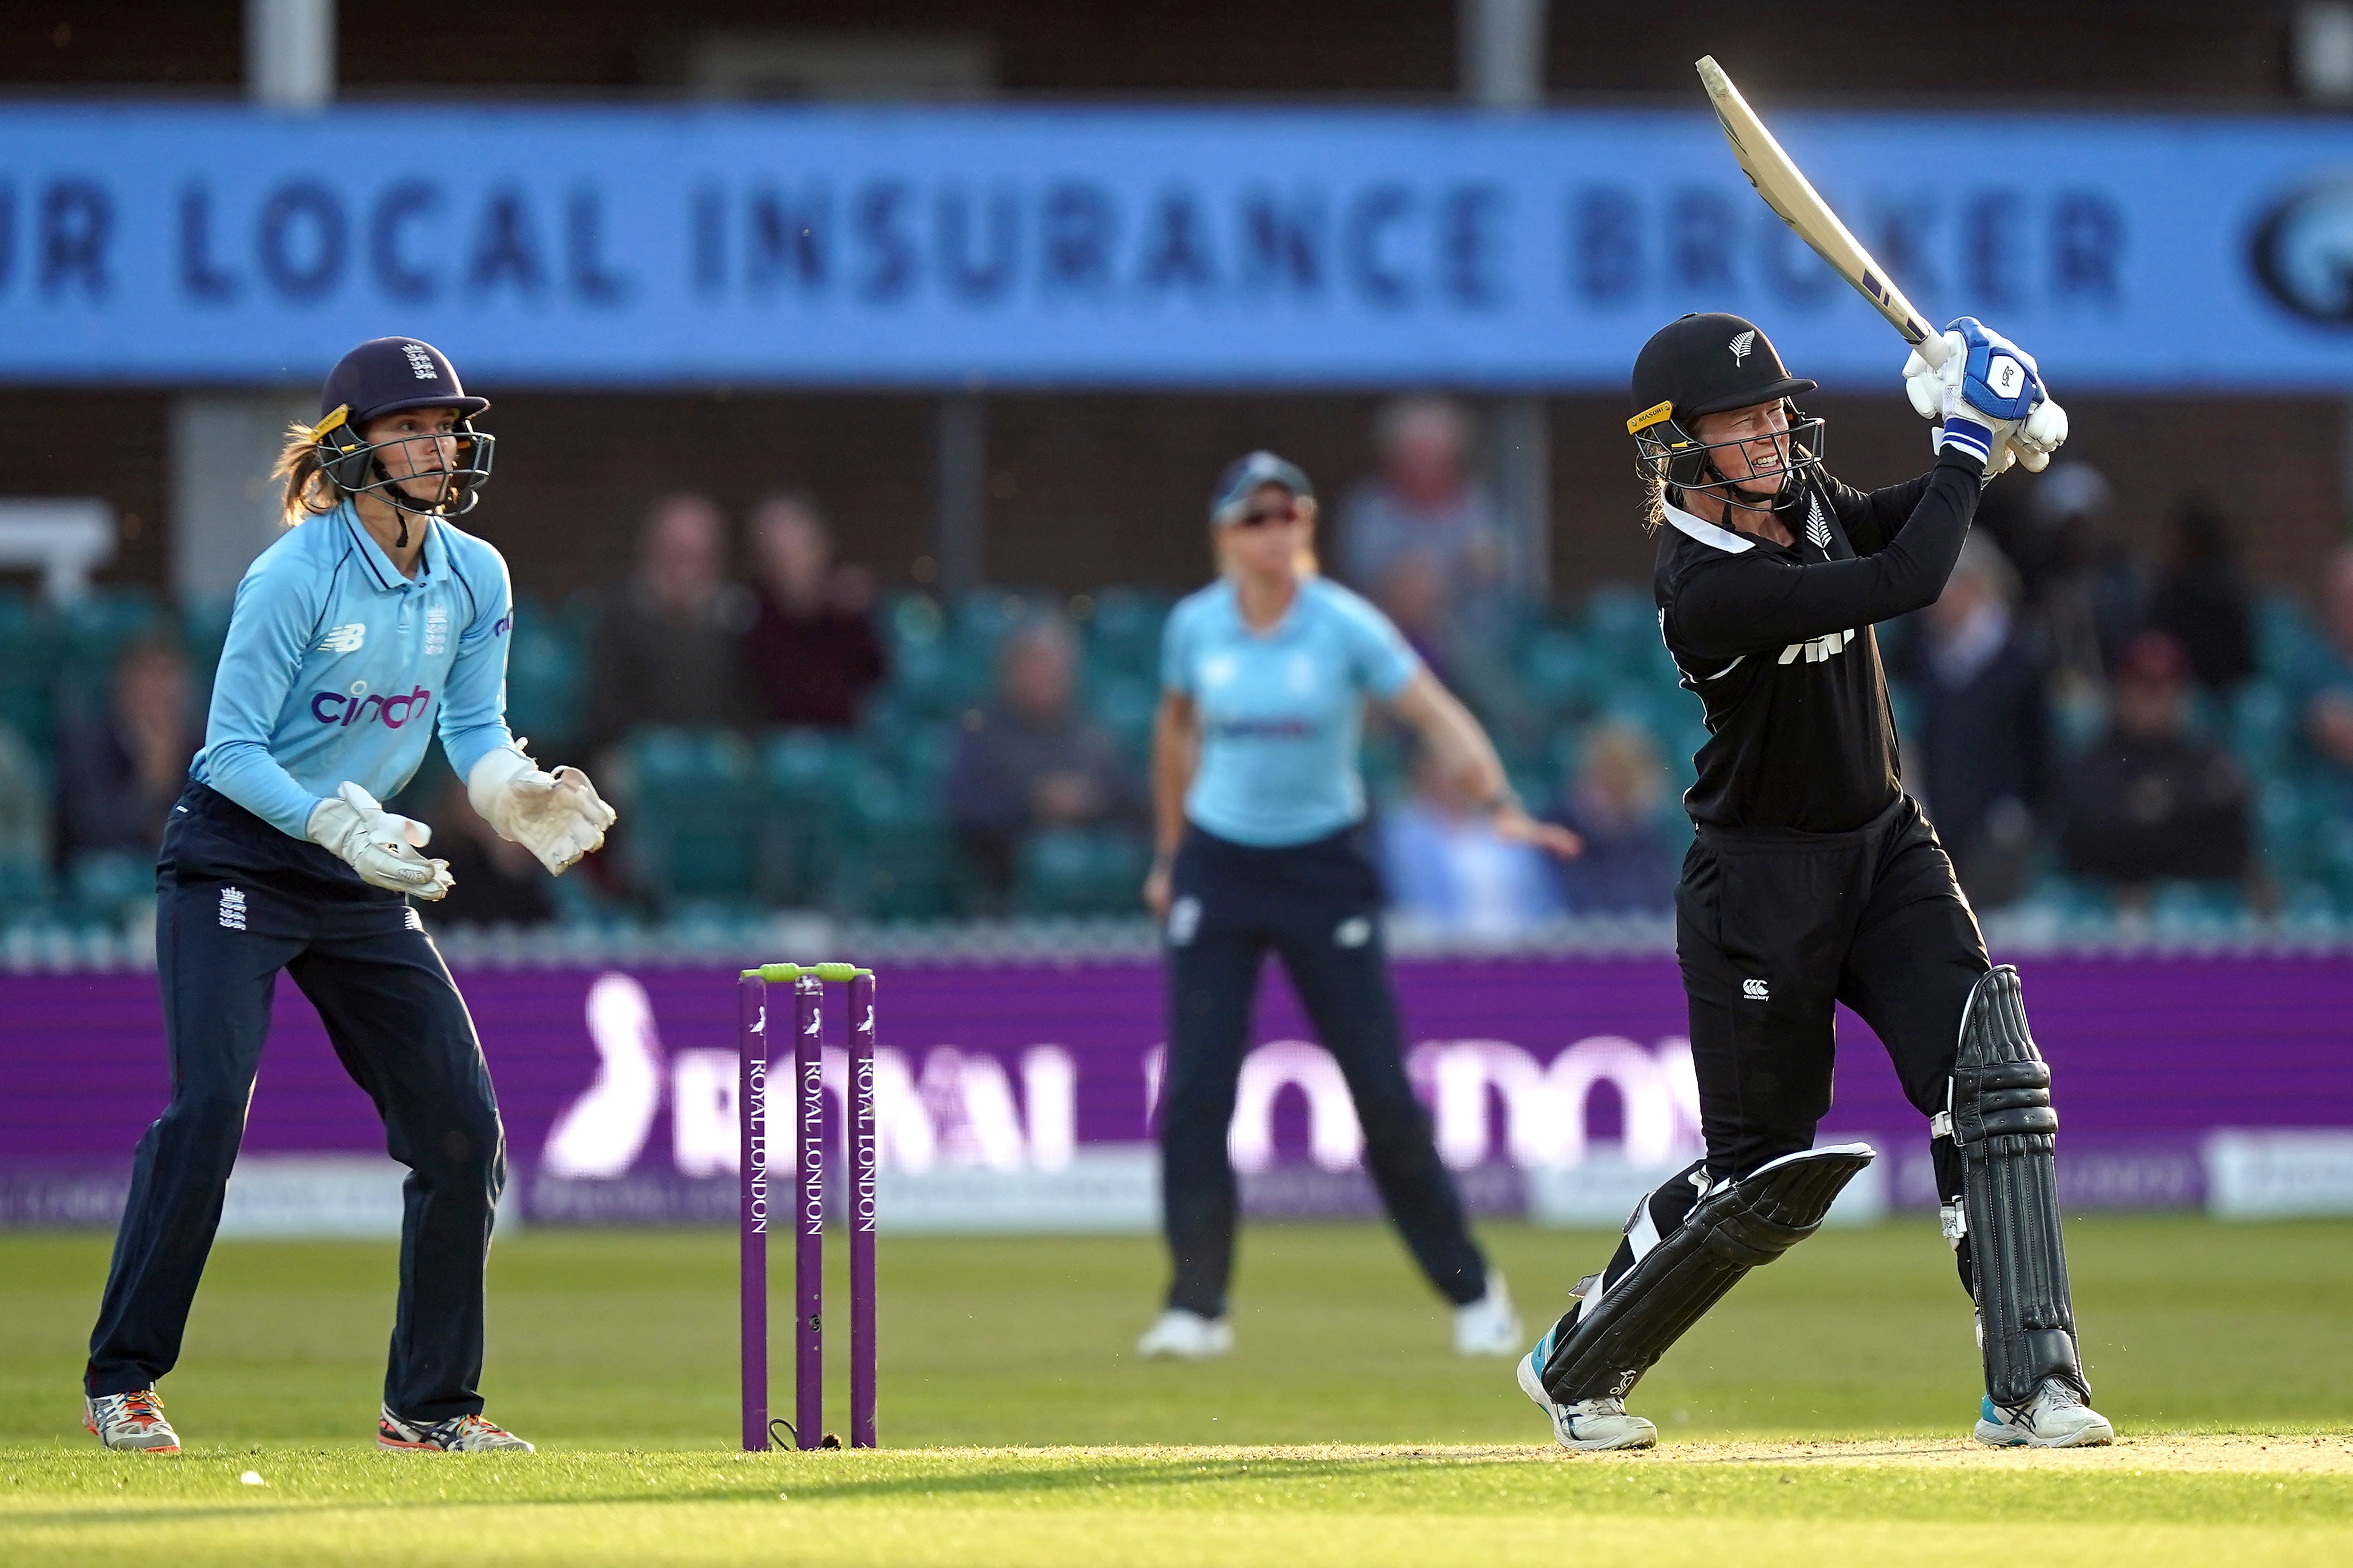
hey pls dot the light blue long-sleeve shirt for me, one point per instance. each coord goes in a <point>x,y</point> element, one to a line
<point>336,662</point>
<point>1280,711</point>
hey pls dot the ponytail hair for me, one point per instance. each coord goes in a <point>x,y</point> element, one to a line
<point>309,491</point>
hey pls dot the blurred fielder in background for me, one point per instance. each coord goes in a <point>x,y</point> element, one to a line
<point>1258,809</point>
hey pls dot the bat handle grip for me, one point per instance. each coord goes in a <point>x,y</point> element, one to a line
<point>1934,350</point>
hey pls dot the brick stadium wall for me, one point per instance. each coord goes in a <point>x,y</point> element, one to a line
<point>1108,488</point>
<point>1364,47</point>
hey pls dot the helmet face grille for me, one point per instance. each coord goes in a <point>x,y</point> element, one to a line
<point>1670,451</point>
<point>354,467</point>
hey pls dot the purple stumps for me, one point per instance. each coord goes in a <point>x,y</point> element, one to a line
<point>809,1211</point>
<point>752,1111</point>
<point>859,1139</point>
<point>804,1129</point>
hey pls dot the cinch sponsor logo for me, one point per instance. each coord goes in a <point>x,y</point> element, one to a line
<point>334,708</point>
<point>1263,728</point>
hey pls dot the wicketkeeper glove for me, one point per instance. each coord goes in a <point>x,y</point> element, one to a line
<point>1988,398</point>
<point>382,847</point>
<point>558,816</point>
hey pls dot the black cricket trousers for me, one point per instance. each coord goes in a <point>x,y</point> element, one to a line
<point>1772,930</point>
<point>237,901</point>
<point>1318,905</point>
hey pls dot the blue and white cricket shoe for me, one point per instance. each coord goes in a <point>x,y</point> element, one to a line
<point>2056,1417</point>
<point>1590,1423</point>
<point>458,1435</point>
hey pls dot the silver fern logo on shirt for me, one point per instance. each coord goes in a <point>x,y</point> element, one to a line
<point>1818,527</point>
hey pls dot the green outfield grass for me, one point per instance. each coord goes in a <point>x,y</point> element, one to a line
<point>615,1351</point>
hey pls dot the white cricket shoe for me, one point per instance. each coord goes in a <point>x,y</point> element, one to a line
<point>132,1422</point>
<point>1186,1336</point>
<point>1490,1325</point>
<point>2056,1417</point>
<point>1590,1423</point>
<point>458,1435</point>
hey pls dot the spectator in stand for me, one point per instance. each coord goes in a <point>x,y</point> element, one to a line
<point>1031,760</point>
<point>2094,596</point>
<point>495,883</point>
<point>813,648</point>
<point>1423,506</point>
<point>1984,737</point>
<point>668,648</point>
<point>120,770</point>
<point>2322,684</point>
<point>1631,858</point>
<point>2150,802</point>
<point>1448,868</point>
<point>2202,602</point>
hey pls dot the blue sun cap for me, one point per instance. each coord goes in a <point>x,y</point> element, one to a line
<point>1245,475</point>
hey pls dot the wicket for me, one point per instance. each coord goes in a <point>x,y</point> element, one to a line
<point>807,1206</point>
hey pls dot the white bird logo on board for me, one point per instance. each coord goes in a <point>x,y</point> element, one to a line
<point>1742,345</point>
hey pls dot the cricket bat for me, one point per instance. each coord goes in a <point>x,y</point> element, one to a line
<point>1788,194</point>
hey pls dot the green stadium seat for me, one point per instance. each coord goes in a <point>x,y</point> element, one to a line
<point>807,777</point>
<point>898,857</point>
<point>1071,871</point>
<point>547,675</point>
<point>694,816</point>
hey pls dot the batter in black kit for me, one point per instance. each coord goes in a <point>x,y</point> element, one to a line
<point>1814,880</point>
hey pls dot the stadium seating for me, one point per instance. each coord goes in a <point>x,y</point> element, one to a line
<point>853,822</point>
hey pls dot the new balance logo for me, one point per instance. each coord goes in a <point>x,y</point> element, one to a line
<point>232,908</point>
<point>1755,991</point>
<point>346,638</point>
<point>1817,649</point>
<point>420,362</point>
<point>1742,346</point>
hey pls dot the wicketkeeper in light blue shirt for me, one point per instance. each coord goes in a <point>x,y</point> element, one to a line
<point>374,624</point>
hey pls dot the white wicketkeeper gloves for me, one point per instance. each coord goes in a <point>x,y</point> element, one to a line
<point>1988,397</point>
<point>382,847</point>
<point>558,816</point>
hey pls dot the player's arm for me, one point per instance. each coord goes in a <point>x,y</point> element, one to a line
<point>269,629</point>
<point>1874,518</point>
<point>1468,758</point>
<point>1176,755</point>
<point>1743,604</point>
<point>558,816</point>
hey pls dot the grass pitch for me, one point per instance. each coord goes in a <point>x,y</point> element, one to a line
<point>1814,1417</point>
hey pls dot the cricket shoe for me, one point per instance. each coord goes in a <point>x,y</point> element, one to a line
<point>2056,1417</point>
<point>1590,1423</point>
<point>458,1435</point>
<point>1186,1336</point>
<point>132,1422</point>
<point>1490,1325</point>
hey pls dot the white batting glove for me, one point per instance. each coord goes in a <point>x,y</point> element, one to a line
<point>558,816</point>
<point>382,847</point>
<point>1989,399</point>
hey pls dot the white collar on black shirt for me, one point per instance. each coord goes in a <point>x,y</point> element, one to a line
<point>1723,539</point>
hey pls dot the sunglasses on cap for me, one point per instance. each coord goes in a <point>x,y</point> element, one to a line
<point>1258,516</point>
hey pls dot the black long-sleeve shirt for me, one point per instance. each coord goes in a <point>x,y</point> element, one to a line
<point>1776,641</point>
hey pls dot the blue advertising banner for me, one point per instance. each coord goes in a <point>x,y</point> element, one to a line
<point>1010,247</point>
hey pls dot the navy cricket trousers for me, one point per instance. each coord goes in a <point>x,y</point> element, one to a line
<point>237,901</point>
<point>1319,906</point>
